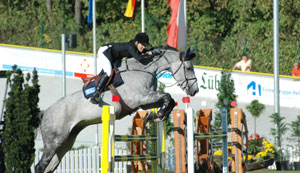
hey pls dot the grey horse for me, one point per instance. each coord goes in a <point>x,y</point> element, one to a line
<point>61,122</point>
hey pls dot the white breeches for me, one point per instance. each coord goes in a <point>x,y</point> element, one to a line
<point>104,63</point>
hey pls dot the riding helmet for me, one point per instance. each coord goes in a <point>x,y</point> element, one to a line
<point>142,38</point>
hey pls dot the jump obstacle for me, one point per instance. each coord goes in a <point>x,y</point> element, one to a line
<point>138,139</point>
<point>202,136</point>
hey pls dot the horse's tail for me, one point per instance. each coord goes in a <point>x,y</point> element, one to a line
<point>40,115</point>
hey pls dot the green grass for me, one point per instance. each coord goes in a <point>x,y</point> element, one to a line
<point>265,171</point>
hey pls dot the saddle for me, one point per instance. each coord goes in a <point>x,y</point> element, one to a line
<point>90,83</point>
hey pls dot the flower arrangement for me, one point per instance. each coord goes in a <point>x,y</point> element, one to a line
<point>260,149</point>
<point>261,153</point>
<point>219,153</point>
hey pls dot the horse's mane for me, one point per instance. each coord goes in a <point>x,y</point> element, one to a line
<point>163,49</point>
<point>167,47</point>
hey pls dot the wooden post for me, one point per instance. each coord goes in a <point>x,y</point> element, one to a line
<point>137,129</point>
<point>203,126</point>
<point>179,140</point>
<point>236,116</point>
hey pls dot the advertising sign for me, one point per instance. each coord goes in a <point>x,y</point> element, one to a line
<point>248,86</point>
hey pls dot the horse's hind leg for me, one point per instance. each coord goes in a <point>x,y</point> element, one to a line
<point>59,152</point>
<point>46,158</point>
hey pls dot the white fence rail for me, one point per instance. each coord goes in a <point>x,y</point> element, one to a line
<point>85,160</point>
<point>88,160</point>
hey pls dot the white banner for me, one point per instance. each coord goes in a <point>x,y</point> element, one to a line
<point>46,62</point>
<point>248,86</point>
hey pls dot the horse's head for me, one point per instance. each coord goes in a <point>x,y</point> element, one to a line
<point>182,70</point>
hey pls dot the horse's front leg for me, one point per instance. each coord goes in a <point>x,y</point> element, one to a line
<point>164,101</point>
<point>167,107</point>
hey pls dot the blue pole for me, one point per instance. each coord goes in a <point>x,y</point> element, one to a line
<point>225,150</point>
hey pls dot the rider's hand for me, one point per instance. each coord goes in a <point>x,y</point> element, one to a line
<point>150,53</point>
<point>156,51</point>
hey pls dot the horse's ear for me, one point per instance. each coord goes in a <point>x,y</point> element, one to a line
<point>187,55</point>
<point>191,55</point>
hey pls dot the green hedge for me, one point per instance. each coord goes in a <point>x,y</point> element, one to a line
<point>220,27</point>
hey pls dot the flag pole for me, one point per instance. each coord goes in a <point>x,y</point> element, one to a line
<point>143,15</point>
<point>94,36</point>
<point>184,4</point>
<point>95,57</point>
<point>276,61</point>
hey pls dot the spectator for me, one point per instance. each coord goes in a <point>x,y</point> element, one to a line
<point>244,64</point>
<point>296,69</point>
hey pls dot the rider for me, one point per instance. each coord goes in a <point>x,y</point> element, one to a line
<point>111,53</point>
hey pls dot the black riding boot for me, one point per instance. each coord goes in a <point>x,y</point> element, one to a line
<point>101,83</point>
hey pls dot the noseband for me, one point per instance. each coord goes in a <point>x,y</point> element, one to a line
<point>186,79</point>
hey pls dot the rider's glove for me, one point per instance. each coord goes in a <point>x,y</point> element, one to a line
<point>156,51</point>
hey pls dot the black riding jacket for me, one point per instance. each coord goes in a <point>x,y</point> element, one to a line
<point>117,51</point>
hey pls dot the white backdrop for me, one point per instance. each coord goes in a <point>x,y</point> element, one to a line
<point>248,86</point>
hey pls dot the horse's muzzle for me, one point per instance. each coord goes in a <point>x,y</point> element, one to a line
<point>194,92</point>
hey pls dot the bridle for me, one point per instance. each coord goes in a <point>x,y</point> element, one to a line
<point>186,79</point>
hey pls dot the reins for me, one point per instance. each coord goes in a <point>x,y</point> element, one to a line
<point>179,83</point>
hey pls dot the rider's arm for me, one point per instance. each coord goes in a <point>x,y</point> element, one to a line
<point>138,56</point>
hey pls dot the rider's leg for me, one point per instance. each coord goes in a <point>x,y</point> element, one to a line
<point>104,65</point>
<point>102,81</point>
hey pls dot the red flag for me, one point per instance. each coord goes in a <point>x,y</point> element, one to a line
<point>130,8</point>
<point>177,26</point>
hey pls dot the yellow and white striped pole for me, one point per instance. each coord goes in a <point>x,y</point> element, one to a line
<point>105,139</point>
<point>163,147</point>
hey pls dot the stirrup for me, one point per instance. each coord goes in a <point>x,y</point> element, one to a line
<point>95,99</point>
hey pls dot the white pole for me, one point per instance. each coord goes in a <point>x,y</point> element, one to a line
<point>63,44</point>
<point>276,55</point>
<point>276,61</point>
<point>190,141</point>
<point>95,57</point>
<point>143,15</point>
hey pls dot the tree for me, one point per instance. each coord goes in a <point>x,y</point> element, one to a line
<point>279,131</point>
<point>21,120</point>
<point>226,92</point>
<point>77,10</point>
<point>255,108</point>
<point>295,125</point>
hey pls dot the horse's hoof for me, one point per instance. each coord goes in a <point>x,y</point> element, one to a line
<point>163,115</point>
<point>151,117</point>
